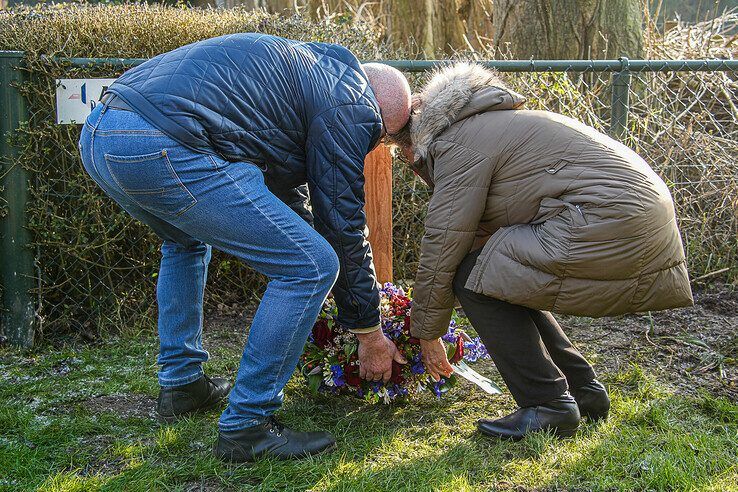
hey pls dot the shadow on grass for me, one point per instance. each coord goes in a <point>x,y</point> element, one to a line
<point>653,440</point>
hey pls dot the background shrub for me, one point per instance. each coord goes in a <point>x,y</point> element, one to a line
<point>97,267</point>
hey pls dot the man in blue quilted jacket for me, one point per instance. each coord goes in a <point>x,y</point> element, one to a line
<point>220,144</point>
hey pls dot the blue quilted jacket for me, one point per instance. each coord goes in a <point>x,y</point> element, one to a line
<point>303,112</point>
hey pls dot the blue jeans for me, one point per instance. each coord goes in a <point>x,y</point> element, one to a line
<point>193,201</point>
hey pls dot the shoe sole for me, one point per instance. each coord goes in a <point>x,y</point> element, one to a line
<point>596,418</point>
<point>231,461</point>
<point>559,433</point>
<point>564,434</point>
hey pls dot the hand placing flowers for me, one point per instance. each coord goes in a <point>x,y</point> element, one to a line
<point>393,363</point>
<point>377,354</point>
<point>435,360</point>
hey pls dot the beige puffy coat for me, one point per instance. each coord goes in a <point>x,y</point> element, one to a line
<point>571,221</point>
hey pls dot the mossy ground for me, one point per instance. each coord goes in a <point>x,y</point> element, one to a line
<point>79,417</point>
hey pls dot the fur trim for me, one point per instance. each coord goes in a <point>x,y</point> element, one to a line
<point>446,93</point>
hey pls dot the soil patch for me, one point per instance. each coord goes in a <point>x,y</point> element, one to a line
<point>692,349</point>
<point>226,331</point>
<point>125,405</point>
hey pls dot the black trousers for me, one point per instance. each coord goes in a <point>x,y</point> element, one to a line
<point>529,348</point>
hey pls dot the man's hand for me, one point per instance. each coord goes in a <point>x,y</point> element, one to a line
<point>376,353</point>
<point>434,358</point>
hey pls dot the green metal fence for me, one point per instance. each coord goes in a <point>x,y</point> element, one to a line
<point>669,111</point>
<point>16,258</point>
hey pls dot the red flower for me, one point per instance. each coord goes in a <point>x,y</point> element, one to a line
<point>322,334</point>
<point>459,353</point>
<point>414,341</point>
<point>397,373</point>
<point>351,375</point>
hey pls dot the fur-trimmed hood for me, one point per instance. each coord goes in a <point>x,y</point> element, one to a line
<point>453,93</point>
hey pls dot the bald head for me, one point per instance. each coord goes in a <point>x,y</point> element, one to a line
<point>392,92</point>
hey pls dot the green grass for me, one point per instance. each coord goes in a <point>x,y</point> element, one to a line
<point>52,439</point>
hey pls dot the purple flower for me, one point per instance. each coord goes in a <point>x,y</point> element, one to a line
<point>417,368</point>
<point>450,336</point>
<point>475,350</point>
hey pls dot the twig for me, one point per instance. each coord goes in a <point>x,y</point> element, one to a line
<point>649,330</point>
<point>711,274</point>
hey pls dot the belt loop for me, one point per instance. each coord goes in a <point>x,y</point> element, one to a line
<point>105,100</point>
<point>99,118</point>
<point>94,130</point>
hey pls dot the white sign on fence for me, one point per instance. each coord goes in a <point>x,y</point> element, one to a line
<point>75,98</point>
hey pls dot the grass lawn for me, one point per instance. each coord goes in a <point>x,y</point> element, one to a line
<point>80,417</point>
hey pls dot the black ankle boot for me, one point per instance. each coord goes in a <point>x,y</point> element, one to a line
<point>592,400</point>
<point>560,415</point>
<point>197,396</point>
<point>270,439</point>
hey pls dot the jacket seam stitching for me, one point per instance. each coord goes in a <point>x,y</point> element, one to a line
<point>438,259</point>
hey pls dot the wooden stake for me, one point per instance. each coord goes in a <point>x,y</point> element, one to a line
<point>378,195</point>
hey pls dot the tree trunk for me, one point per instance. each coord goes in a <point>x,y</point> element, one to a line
<point>477,17</point>
<point>568,29</point>
<point>431,27</point>
<point>436,26</point>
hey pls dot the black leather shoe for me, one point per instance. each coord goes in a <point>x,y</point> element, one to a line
<point>197,396</point>
<point>592,400</point>
<point>270,439</point>
<point>560,415</point>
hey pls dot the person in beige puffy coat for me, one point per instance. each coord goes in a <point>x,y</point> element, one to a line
<point>533,212</point>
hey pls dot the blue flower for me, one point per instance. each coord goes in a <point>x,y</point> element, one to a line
<point>337,375</point>
<point>417,368</point>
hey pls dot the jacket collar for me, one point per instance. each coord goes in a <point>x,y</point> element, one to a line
<point>453,93</point>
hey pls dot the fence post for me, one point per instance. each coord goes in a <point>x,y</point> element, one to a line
<point>17,313</point>
<point>620,104</point>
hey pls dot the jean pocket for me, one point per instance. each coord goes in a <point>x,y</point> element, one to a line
<point>151,181</point>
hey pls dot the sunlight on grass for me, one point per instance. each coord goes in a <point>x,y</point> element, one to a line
<point>70,482</point>
<point>55,441</point>
<point>132,451</point>
<point>170,439</point>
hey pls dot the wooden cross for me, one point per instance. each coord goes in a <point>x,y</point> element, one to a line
<point>378,196</point>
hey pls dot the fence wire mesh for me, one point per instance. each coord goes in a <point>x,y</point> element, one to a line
<point>683,123</point>
<point>96,266</point>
